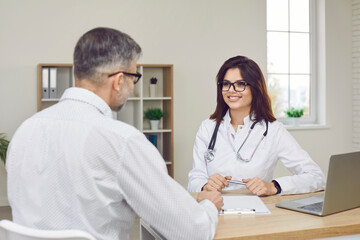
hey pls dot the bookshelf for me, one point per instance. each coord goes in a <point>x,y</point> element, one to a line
<point>138,101</point>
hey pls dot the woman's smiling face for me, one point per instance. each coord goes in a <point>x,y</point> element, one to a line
<point>237,101</point>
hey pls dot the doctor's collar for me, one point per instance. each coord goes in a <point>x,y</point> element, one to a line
<point>227,119</point>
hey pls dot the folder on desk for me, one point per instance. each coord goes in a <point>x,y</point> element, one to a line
<point>53,89</point>
<point>243,205</point>
<point>45,83</point>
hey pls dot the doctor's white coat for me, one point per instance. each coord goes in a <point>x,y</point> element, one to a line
<point>278,145</point>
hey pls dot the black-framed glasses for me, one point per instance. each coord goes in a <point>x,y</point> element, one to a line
<point>136,76</point>
<point>239,86</point>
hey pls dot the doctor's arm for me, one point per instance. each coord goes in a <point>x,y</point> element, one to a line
<point>198,177</point>
<point>307,177</point>
<point>260,187</point>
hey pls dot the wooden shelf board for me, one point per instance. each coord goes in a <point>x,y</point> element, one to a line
<point>156,131</point>
<point>50,99</point>
<point>157,98</point>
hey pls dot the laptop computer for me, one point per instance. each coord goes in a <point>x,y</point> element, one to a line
<point>341,192</point>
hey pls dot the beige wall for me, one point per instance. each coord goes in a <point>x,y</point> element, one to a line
<point>196,36</point>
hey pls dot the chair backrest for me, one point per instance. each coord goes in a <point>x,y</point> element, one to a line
<point>13,231</point>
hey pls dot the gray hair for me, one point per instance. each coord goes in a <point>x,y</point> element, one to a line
<point>102,51</point>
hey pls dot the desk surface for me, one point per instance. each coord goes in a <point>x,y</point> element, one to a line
<point>285,224</point>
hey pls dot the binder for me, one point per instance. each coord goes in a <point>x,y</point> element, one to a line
<point>45,83</point>
<point>152,139</point>
<point>53,89</point>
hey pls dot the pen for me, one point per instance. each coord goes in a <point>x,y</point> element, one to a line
<point>236,182</point>
<point>235,211</point>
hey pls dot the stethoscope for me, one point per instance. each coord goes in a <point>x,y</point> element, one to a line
<point>209,155</point>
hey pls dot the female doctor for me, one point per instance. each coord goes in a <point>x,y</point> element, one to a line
<point>242,141</point>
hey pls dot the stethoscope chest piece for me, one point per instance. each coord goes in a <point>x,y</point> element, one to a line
<point>238,157</point>
<point>209,155</point>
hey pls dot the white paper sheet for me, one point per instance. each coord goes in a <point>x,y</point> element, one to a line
<point>245,202</point>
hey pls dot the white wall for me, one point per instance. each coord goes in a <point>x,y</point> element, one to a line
<point>195,36</point>
<point>356,71</point>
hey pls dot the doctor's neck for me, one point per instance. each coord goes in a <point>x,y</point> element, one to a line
<point>237,117</point>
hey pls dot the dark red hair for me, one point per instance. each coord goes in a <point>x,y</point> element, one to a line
<point>251,73</point>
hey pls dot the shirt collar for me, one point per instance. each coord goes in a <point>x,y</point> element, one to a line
<point>86,96</point>
<point>227,119</point>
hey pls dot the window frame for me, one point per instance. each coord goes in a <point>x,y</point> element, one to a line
<point>313,71</point>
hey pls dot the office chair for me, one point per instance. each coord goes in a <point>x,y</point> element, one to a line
<point>12,231</point>
<point>148,233</point>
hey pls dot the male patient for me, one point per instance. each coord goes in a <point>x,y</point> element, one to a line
<point>71,166</point>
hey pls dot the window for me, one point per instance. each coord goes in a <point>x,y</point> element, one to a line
<point>290,56</point>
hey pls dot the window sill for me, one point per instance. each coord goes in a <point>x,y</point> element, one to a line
<point>307,127</point>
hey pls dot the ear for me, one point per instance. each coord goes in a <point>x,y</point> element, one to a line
<point>117,81</point>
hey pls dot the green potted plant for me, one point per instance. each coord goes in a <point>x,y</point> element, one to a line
<point>294,114</point>
<point>154,115</point>
<point>4,143</point>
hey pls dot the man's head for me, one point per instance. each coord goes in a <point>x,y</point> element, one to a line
<point>99,54</point>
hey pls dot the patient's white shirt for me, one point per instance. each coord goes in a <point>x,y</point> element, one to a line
<point>72,166</point>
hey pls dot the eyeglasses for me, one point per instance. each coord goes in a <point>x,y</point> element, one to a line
<point>136,76</point>
<point>239,86</point>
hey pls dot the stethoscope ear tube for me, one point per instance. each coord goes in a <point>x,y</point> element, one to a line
<point>267,125</point>
<point>213,137</point>
<point>209,155</point>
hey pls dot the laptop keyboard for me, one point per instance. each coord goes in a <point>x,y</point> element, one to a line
<point>315,207</point>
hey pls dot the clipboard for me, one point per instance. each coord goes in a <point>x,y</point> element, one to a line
<point>234,205</point>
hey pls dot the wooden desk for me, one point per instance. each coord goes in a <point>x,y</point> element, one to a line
<point>285,224</point>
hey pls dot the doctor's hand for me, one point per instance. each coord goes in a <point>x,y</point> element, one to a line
<point>259,187</point>
<point>214,196</point>
<point>216,182</point>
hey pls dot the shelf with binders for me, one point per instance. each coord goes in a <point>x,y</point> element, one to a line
<point>53,80</point>
<point>139,100</point>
